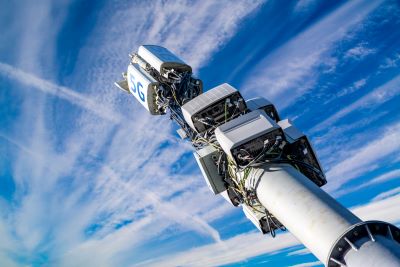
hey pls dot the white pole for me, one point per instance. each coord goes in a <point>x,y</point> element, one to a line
<point>309,213</point>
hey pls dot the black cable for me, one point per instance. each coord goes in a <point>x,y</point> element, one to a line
<point>294,161</point>
<point>261,154</point>
<point>270,228</point>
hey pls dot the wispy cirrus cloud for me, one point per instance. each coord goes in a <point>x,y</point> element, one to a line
<point>388,194</point>
<point>194,30</point>
<point>385,177</point>
<point>201,29</point>
<point>167,209</point>
<point>354,87</point>
<point>390,62</point>
<point>246,246</point>
<point>104,188</point>
<point>376,97</point>
<point>114,181</point>
<point>83,101</point>
<point>8,244</point>
<point>103,192</point>
<point>385,210</point>
<point>366,158</point>
<point>305,5</point>
<point>308,264</point>
<point>302,251</point>
<point>289,71</point>
<point>235,249</point>
<point>360,51</point>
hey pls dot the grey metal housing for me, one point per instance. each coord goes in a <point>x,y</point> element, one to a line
<point>243,129</point>
<point>206,159</point>
<point>263,104</point>
<point>162,59</point>
<point>301,147</point>
<point>205,100</point>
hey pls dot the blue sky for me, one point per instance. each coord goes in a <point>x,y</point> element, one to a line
<point>88,178</point>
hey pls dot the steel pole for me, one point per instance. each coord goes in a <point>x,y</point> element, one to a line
<point>320,222</point>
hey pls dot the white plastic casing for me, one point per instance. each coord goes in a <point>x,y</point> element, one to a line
<point>254,216</point>
<point>257,103</point>
<point>292,134</point>
<point>243,129</point>
<point>225,195</point>
<point>264,104</point>
<point>162,59</point>
<point>205,100</point>
<point>142,86</point>
<point>206,158</point>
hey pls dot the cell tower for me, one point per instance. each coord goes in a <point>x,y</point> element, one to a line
<point>258,162</point>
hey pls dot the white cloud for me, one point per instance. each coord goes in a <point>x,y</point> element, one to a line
<point>144,181</point>
<point>305,5</point>
<point>235,249</point>
<point>390,62</point>
<point>373,99</point>
<point>388,176</point>
<point>308,264</point>
<point>359,52</point>
<point>201,29</point>
<point>385,177</point>
<point>303,251</point>
<point>383,210</point>
<point>332,141</point>
<point>8,244</point>
<point>364,159</point>
<point>120,195</point>
<point>288,72</point>
<point>387,194</point>
<point>134,146</point>
<point>194,30</point>
<point>144,172</point>
<point>5,260</point>
<point>35,41</point>
<point>83,101</point>
<point>170,211</point>
<point>245,246</point>
<point>360,83</point>
<point>105,173</point>
<point>352,88</point>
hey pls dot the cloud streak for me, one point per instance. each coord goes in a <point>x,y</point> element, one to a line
<point>364,159</point>
<point>388,176</point>
<point>63,92</point>
<point>308,264</point>
<point>199,31</point>
<point>100,191</point>
<point>375,98</point>
<point>288,72</point>
<point>168,210</point>
<point>246,246</point>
